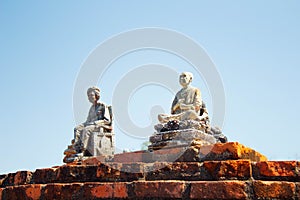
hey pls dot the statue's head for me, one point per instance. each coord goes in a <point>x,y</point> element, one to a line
<point>93,94</point>
<point>185,78</point>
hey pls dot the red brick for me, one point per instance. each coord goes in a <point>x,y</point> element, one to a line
<point>282,170</point>
<point>136,156</point>
<point>47,175</point>
<point>174,171</point>
<point>8,180</point>
<point>230,169</point>
<point>132,171</point>
<point>218,190</point>
<point>69,174</point>
<point>63,191</point>
<point>22,177</point>
<point>274,189</point>
<point>99,191</point>
<point>108,172</point>
<point>33,191</point>
<point>18,178</point>
<point>1,189</point>
<point>172,155</point>
<point>105,190</point>
<point>52,191</point>
<point>185,167</point>
<point>133,167</point>
<point>150,167</point>
<point>120,190</point>
<point>13,193</point>
<point>159,189</point>
<point>166,151</point>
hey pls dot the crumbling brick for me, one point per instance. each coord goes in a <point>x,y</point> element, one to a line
<point>274,189</point>
<point>105,190</point>
<point>33,191</point>
<point>230,169</point>
<point>219,190</point>
<point>47,175</point>
<point>63,191</point>
<point>18,178</point>
<point>159,189</point>
<point>275,170</point>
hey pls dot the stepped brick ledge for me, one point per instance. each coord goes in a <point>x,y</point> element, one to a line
<point>220,171</point>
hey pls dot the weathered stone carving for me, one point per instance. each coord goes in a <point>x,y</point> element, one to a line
<point>188,123</point>
<point>187,102</point>
<point>95,136</point>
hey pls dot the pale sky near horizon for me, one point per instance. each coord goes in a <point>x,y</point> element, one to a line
<point>254,45</point>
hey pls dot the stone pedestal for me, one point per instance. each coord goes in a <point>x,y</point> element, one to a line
<point>185,133</point>
<point>180,138</point>
<point>102,144</point>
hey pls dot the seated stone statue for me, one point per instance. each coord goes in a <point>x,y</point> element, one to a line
<point>98,121</point>
<point>188,123</point>
<point>187,103</point>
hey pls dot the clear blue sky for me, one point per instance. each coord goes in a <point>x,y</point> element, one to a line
<point>254,45</point>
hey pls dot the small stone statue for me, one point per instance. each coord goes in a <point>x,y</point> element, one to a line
<point>99,120</point>
<point>187,102</point>
<point>188,122</point>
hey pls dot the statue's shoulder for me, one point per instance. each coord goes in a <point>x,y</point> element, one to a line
<point>109,107</point>
<point>195,89</point>
<point>180,91</point>
<point>100,103</point>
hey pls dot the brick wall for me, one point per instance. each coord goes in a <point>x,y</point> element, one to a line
<point>127,177</point>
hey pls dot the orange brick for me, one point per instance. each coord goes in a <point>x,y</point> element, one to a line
<point>159,189</point>
<point>33,191</point>
<point>275,170</point>
<point>120,190</point>
<point>101,191</point>
<point>274,189</point>
<point>218,190</point>
<point>52,191</point>
<point>230,169</point>
<point>229,151</point>
<point>63,191</point>
<point>105,190</point>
